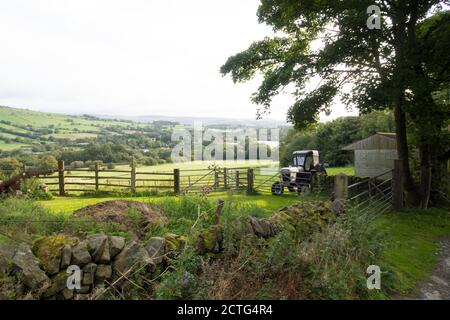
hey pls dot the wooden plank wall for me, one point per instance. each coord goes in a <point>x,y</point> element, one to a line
<point>370,163</point>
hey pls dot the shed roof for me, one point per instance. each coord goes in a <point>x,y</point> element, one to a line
<point>379,141</point>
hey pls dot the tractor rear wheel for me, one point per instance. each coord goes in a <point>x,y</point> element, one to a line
<point>277,189</point>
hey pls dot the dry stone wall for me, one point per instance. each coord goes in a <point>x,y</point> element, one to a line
<point>51,267</point>
<point>64,267</point>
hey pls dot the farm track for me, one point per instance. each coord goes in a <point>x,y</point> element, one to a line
<point>437,286</point>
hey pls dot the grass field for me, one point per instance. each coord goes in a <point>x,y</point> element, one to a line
<point>72,135</point>
<point>24,117</point>
<point>201,165</point>
<point>349,171</point>
<point>11,146</point>
<point>67,205</point>
<point>412,240</point>
<point>13,128</point>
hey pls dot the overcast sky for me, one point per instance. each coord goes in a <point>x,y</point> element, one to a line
<point>133,57</point>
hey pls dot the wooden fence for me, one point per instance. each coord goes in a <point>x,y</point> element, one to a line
<point>67,179</point>
<point>213,179</point>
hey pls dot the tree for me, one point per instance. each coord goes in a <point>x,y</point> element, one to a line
<point>294,140</point>
<point>429,110</point>
<point>48,162</point>
<point>385,67</point>
<point>334,135</point>
<point>9,167</point>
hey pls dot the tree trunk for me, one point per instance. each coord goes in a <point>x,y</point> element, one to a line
<point>440,174</point>
<point>425,175</point>
<point>400,78</point>
<point>402,147</point>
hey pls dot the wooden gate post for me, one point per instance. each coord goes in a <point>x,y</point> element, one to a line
<point>340,187</point>
<point>96,166</point>
<point>176,181</point>
<point>397,186</point>
<point>237,179</point>
<point>216,179</point>
<point>225,178</point>
<point>133,176</point>
<point>61,177</point>
<point>250,178</point>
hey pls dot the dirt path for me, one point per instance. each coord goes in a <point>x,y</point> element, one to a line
<point>437,287</point>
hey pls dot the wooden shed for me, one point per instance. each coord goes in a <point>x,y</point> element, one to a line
<point>375,154</point>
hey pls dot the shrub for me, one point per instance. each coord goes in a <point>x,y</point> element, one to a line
<point>9,287</point>
<point>94,163</point>
<point>77,164</point>
<point>149,161</point>
<point>335,260</point>
<point>326,263</point>
<point>23,219</point>
<point>35,189</point>
<point>9,167</point>
<point>181,282</point>
<point>48,162</point>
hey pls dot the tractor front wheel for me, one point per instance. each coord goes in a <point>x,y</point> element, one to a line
<point>277,189</point>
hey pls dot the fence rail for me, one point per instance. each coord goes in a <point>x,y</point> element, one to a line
<point>67,179</point>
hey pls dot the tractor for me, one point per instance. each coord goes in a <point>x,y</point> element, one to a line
<point>299,175</point>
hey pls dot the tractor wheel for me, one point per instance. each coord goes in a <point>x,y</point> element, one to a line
<point>292,187</point>
<point>277,189</point>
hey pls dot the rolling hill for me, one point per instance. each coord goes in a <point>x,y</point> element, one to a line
<point>23,128</point>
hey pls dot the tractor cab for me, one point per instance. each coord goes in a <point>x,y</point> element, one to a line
<point>305,160</point>
<point>298,176</point>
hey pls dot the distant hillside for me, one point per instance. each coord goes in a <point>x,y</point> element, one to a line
<point>27,129</point>
<point>22,128</point>
<point>233,122</point>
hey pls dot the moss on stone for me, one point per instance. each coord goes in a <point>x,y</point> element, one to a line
<point>59,282</point>
<point>48,250</point>
<point>174,242</point>
<point>304,219</point>
<point>210,240</point>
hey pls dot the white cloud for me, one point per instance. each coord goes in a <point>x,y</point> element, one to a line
<point>128,57</point>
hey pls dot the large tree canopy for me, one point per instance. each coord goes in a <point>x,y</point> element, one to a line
<point>398,66</point>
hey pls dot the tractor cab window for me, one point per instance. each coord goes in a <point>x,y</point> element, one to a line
<point>308,163</point>
<point>299,160</point>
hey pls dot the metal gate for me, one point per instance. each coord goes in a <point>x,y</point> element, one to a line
<point>372,196</point>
